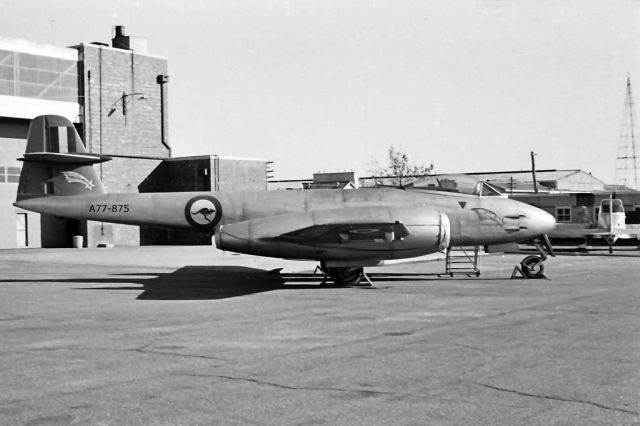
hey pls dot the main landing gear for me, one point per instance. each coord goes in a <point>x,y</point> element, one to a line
<point>532,266</point>
<point>345,276</point>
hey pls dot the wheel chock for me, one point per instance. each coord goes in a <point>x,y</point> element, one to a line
<point>368,280</point>
<point>518,274</point>
<point>517,271</point>
<point>325,277</point>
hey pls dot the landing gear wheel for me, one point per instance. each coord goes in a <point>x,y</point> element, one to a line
<point>345,276</point>
<point>610,242</point>
<point>532,267</point>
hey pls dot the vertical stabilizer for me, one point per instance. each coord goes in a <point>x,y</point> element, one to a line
<point>56,161</point>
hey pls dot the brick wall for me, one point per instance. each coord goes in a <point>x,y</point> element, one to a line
<point>106,74</point>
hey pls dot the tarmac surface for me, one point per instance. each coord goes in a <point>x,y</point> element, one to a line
<point>190,335</point>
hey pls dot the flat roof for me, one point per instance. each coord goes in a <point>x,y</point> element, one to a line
<point>100,45</point>
<point>25,46</point>
<point>220,157</point>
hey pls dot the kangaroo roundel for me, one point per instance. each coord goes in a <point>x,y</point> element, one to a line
<point>203,212</point>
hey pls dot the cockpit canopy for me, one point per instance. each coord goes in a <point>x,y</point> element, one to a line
<point>457,183</point>
<point>611,206</point>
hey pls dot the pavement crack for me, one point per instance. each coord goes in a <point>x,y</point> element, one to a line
<point>298,388</point>
<point>473,348</point>
<point>590,312</point>
<point>176,354</point>
<point>557,398</point>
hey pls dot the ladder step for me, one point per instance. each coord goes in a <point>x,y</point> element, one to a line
<point>460,260</point>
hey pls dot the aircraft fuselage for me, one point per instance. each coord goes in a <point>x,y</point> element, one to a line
<point>253,222</point>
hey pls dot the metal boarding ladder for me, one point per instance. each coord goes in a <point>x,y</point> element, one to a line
<point>462,260</point>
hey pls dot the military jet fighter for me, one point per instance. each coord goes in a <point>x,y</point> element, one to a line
<point>343,230</point>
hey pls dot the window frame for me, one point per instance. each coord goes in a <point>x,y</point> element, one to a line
<point>10,178</point>
<point>558,216</point>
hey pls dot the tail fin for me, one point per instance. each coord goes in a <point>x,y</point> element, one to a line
<point>56,161</point>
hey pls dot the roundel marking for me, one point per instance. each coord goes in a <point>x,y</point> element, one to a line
<point>203,212</point>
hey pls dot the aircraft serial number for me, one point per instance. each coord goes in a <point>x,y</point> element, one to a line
<point>113,208</point>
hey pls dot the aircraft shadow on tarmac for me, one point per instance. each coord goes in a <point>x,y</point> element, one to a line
<point>190,282</point>
<point>208,282</point>
<point>215,282</point>
<point>221,282</point>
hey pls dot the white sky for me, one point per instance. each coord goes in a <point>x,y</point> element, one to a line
<point>329,85</point>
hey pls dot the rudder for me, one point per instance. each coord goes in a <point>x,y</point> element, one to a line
<point>56,161</point>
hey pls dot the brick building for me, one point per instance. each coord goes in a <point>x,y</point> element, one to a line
<point>123,103</point>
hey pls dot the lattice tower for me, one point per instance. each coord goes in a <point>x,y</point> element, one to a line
<point>627,172</point>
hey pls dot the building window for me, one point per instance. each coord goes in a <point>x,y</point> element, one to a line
<point>9,174</point>
<point>37,76</point>
<point>13,174</point>
<point>563,214</point>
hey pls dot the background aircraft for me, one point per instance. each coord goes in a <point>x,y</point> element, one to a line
<point>343,230</point>
<point>611,225</point>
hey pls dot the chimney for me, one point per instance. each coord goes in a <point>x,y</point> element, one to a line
<point>121,41</point>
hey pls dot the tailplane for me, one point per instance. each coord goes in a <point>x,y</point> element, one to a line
<point>56,161</point>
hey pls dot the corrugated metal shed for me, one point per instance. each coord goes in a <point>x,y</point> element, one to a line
<point>574,180</point>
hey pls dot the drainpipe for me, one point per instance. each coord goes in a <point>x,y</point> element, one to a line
<point>162,80</point>
<point>533,171</point>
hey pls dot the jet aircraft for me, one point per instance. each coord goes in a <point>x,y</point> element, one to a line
<point>343,230</point>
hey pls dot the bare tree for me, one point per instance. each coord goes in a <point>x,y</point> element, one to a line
<point>400,171</point>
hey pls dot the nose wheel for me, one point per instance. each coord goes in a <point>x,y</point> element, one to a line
<point>532,266</point>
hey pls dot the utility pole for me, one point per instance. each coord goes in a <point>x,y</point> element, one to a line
<point>533,171</point>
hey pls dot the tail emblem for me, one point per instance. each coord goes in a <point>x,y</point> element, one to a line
<point>73,177</point>
<point>203,212</point>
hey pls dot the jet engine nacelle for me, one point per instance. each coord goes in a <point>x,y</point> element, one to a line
<point>342,234</point>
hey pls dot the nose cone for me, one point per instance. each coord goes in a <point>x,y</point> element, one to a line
<point>537,221</point>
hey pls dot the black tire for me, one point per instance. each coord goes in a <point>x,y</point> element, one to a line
<point>346,276</point>
<point>532,267</point>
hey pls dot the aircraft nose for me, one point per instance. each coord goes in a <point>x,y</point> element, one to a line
<point>538,221</point>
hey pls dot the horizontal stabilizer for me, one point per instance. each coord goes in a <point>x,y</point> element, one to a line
<point>64,158</point>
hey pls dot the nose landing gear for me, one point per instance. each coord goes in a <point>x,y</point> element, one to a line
<point>532,266</point>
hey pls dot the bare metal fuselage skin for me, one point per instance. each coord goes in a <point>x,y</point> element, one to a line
<point>255,222</point>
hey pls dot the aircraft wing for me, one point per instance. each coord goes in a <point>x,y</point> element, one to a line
<point>581,232</point>
<point>628,232</point>
<point>347,232</point>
